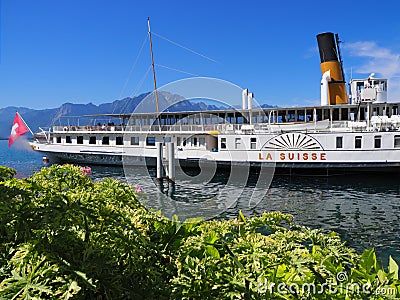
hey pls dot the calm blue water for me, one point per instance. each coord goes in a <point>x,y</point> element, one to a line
<point>364,210</point>
<point>20,157</point>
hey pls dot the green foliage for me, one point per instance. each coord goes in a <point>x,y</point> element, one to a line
<point>78,237</point>
<point>230,260</point>
<point>63,236</point>
<point>6,173</point>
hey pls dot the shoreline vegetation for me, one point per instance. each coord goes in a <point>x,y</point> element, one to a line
<point>64,236</point>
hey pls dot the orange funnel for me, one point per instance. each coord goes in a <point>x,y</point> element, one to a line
<point>329,54</point>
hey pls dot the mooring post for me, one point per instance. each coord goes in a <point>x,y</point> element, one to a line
<point>159,160</point>
<point>171,161</point>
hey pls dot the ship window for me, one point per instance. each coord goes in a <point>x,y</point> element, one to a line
<point>345,114</point>
<point>119,140</point>
<point>79,139</point>
<point>335,114</point>
<point>202,142</point>
<point>291,116</point>
<point>253,143</point>
<point>59,139</point>
<point>194,142</point>
<point>339,142</point>
<point>309,115</point>
<point>357,142</point>
<point>92,140</point>
<point>326,114</point>
<point>223,143</point>
<point>150,141</point>
<point>105,140</point>
<point>237,143</point>
<point>178,141</point>
<point>300,116</point>
<point>68,139</point>
<point>135,140</point>
<point>377,141</point>
<point>319,114</point>
<point>397,141</point>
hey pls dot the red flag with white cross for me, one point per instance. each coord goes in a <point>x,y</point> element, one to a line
<point>19,128</point>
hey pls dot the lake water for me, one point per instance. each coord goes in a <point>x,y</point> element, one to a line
<point>363,210</point>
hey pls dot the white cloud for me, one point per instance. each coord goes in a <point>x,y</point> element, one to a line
<point>382,61</point>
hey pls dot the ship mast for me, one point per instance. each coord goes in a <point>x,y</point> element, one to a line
<point>152,65</point>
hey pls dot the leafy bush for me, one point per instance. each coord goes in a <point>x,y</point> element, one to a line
<point>64,236</point>
<point>230,260</point>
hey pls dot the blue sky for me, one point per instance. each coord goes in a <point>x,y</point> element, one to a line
<point>53,52</point>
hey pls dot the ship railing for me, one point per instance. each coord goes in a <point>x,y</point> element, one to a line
<point>151,128</point>
<point>184,127</point>
<point>88,128</point>
<point>225,128</point>
<point>340,124</point>
<point>357,126</point>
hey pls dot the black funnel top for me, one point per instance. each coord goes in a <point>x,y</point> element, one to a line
<point>327,47</point>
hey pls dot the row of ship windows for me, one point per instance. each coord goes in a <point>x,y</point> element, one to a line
<point>193,141</point>
<point>253,143</point>
<point>358,142</point>
<point>339,142</point>
<point>105,140</point>
<point>134,141</point>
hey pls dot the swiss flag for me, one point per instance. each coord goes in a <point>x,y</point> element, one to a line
<point>18,129</point>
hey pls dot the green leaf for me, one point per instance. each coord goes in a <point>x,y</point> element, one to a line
<point>175,219</point>
<point>381,276</point>
<point>241,217</point>
<point>368,259</point>
<point>72,290</point>
<point>211,238</point>
<point>212,251</point>
<point>393,268</point>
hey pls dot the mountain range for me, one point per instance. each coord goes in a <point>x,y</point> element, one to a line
<point>45,118</point>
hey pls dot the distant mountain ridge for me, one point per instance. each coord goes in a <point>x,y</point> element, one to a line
<point>45,118</point>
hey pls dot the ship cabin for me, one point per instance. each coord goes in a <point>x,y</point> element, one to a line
<point>367,110</point>
<point>201,129</point>
<point>228,120</point>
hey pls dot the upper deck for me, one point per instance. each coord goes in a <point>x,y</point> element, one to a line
<point>346,116</point>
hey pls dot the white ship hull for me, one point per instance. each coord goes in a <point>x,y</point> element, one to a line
<point>293,150</point>
<point>384,166</point>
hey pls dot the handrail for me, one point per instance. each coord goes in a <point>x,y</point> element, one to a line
<point>143,128</point>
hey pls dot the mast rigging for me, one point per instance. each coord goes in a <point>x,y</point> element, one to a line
<point>152,65</point>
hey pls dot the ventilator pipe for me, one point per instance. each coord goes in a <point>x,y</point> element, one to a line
<point>326,77</point>
<point>250,106</point>
<point>250,100</point>
<point>244,98</point>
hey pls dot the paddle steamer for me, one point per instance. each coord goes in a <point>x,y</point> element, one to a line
<point>354,131</point>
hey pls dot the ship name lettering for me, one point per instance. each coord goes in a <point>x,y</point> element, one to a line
<point>293,156</point>
<point>267,157</point>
